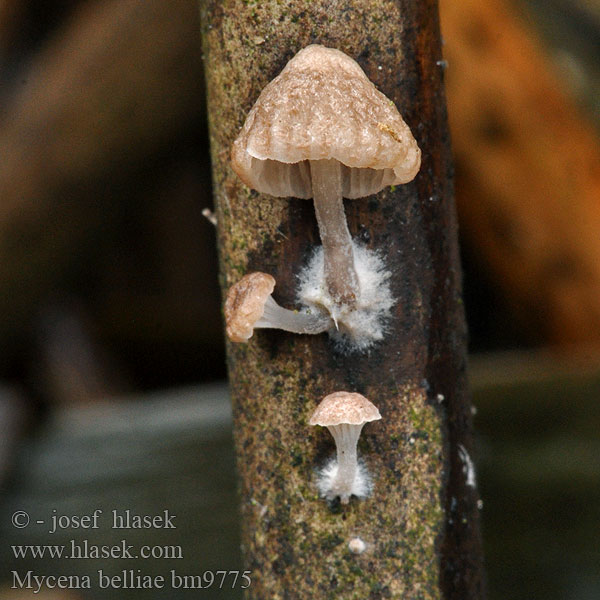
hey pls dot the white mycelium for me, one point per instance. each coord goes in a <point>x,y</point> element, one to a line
<point>360,326</point>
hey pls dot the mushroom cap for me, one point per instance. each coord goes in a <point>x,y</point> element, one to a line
<point>245,304</point>
<point>344,407</point>
<point>323,106</point>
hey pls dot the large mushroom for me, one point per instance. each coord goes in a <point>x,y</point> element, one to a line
<point>322,130</point>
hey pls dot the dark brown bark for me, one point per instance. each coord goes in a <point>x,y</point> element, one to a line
<point>421,523</point>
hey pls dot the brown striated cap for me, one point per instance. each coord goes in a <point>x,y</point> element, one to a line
<point>344,407</point>
<point>323,106</point>
<point>245,304</point>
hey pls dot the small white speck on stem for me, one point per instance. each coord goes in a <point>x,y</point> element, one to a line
<point>210,215</point>
<point>468,466</point>
<point>356,546</point>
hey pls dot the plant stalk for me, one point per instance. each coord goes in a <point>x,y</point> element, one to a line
<point>421,523</point>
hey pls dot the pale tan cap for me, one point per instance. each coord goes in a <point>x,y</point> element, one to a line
<point>323,106</point>
<point>245,304</point>
<point>344,407</point>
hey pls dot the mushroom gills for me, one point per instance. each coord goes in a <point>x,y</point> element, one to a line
<point>284,180</point>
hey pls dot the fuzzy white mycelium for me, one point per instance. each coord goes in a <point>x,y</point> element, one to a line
<point>362,486</point>
<point>360,326</point>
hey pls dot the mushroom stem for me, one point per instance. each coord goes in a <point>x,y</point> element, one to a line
<point>277,317</point>
<point>340,275</point>
<point>346,439</point>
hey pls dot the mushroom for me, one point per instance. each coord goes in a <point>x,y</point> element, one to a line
<point>249,305</point>
<point>344,414</point>
<point>322,130</point>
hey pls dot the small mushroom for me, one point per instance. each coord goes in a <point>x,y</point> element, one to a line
<point>322,130</point>
<point>344,414</point>
<point>249,306</point>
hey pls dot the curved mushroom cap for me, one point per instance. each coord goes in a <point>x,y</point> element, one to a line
<point>323,106</point>
<point>344,407</point>
<point>245,304</point>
